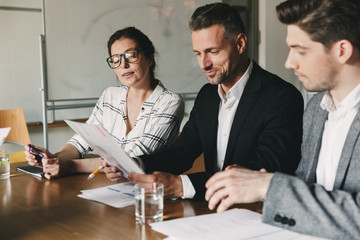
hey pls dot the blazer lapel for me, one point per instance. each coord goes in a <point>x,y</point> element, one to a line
<point>347,151</point>
<point>315,145</point>
<point>250,94</point>
<point>211,111</point>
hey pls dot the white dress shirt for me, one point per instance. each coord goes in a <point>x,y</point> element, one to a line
<point>336,129</point>
<point>227,109</point>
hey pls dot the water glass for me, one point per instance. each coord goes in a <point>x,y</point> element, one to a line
<point>149,202</point>
<point>4,165</point>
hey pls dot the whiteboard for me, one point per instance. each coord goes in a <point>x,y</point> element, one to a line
<point>77,32</point>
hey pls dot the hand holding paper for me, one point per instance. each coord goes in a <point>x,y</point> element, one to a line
<point>105,145</point>
<point>113,173</point>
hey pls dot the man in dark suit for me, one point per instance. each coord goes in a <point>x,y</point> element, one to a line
<point>323,199</point>
<point>245,116</point>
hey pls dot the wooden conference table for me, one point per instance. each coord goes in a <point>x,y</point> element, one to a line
<point>33,208</point>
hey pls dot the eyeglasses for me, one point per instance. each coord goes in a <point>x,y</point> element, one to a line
<point>130,56</point>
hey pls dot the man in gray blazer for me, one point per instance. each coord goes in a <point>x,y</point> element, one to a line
<point>324,198</point>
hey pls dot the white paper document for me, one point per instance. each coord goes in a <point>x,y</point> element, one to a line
<point>237,224</point>
<point>117,195</point>
<point>104,144</point>
<point>4,132</point>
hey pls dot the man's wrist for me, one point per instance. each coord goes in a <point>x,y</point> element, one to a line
<point>187,186</point>
<point>265,184</point>
<point>180,188</point>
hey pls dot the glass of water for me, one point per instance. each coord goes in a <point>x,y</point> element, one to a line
<point>4,165</point>
<point>149,202</point>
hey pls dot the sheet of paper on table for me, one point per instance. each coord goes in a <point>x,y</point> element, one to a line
<point>105,145</point>
<point>232,224</point>
<point>4,132</point>
<point>116,195</point>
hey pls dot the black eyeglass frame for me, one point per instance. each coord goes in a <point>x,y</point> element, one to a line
<point>112,66</point>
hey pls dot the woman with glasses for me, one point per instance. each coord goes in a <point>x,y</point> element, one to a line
<point>141,115</point>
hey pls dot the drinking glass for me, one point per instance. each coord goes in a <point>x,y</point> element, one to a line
<point>149,202</point>
<point>4,165</point>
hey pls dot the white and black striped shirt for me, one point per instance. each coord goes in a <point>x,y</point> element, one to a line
<point>157,125</point>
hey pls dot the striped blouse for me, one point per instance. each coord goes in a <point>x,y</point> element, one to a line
<point>156,126</point>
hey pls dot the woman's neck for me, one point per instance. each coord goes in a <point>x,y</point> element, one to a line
<point>141,94</point>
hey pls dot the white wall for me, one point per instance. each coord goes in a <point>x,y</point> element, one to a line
<point>273,50</point>
<point>20,56</point>
<point>20,59</point>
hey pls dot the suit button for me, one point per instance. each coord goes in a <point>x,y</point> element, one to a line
<point>277,218</point>
<point>285,220</point>
<point>292,222</point>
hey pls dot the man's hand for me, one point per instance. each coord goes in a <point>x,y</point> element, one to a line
<point>172,183</point>
<point>236,185</point>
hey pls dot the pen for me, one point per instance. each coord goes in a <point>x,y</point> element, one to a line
<point>95,172</point>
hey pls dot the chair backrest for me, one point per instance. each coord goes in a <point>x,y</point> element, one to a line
<point>15,119</point>
<point>198,166</point>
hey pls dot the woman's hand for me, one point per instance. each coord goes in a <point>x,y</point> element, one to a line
<point>113,173</point>
<point>34,157</point>
<point>41,157</point>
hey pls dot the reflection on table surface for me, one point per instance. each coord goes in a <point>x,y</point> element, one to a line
<point>33,208</point>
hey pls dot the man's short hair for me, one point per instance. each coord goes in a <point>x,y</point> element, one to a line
<point>326,21</point>
<point>217,13</point>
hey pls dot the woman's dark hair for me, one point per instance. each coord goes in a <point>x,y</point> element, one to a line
<point>143,42</point>
<point>326,21</point>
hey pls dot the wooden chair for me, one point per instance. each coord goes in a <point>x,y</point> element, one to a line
<point>198,166</point>
<point>15,119</point>
<point>19,134</point>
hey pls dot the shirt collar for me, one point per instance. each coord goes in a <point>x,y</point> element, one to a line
<point>238,88</point>
<point>327,102</point>
<point>351,101</point>
<point>158,91</point>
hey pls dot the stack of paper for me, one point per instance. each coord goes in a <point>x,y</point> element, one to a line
<point>232,224</point>
<point>117,195</point>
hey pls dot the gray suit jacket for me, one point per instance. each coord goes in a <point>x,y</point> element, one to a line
<point>301,205</point>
